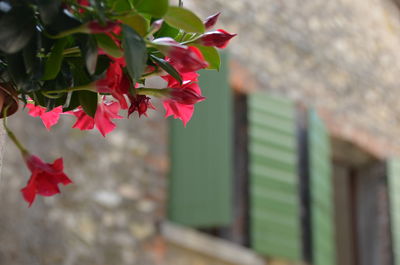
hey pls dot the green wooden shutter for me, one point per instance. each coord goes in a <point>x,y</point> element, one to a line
<point>322,208</point>
<point>200,186</point>
<point>394,198</point>
<point>274,192</point>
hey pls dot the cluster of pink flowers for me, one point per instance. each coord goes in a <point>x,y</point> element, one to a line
<point>119,93</point>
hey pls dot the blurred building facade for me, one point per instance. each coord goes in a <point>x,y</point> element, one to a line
<point>291,160</point>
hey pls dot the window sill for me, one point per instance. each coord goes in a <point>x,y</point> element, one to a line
<point>208,245</point>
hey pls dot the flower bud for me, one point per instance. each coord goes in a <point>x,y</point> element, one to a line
<point>156,25</point>
<point>185,96</point>
<point>185,59</point>
<point>210,21</point>
<point>218,38</point>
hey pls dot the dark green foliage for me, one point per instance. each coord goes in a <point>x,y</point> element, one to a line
<point>167,67</point>
<point>135,52</point>
<point>17,26</point>
<point>48,10</point>
<point>88,101</point>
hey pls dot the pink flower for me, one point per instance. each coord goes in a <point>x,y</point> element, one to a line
<point>44,179</point>
<point>180,103</point>
<point>95,27</point>
<point>185,59</point>
<point>178,111</point>
<point>106,111</point>
<point>116,83</point>
<point>49,118</point>
<point>219,38</point>
<point>140,103</point>
<point>211,21</point>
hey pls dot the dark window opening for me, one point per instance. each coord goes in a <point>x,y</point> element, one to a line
<point>361,207</point>
<point>238,230</point>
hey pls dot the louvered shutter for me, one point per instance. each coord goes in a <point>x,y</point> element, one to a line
<point>274,188</point>
<point>200,184</point>
<point>394,197</point>
<point>322,208</point>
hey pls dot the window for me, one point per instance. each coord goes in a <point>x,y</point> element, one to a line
<point>361,206</point>
<point>262,172</point>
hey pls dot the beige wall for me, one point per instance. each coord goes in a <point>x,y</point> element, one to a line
<point>107,216</point>
<point>342,56</point>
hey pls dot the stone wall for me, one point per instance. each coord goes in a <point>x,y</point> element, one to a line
<point>342,55</point>
<point>108,216</point>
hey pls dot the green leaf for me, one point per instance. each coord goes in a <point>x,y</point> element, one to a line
<point>72,101</point>
<point>80,76</point>
<point>16,28</point>
<point>167,31</point>
<point>63,21</point>
<point>89,51</point>
<point>99,9</point>
<point>38,98</point>
<point>33,63</point>
<point>138,23</point>
<point>108,45</point>
<point>184,19</point>
<point>48,10</point>
<point>16,69</point>
<point>135,52</point>
<point>103,62</point>
<point>120,5</point>
<point>155,8</point>
<point>88,101</point>
<point>211,55</point>
<point>53,63</point>
<point>167,68</point>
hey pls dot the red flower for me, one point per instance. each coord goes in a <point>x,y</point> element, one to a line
<point>106,111</point>
<point>178,111</point>
<point>116,83</point>
<point>185,59</point>
<point>95,27</point>
<point>83,2</point>
<point>218,38</point>
<point>211,21</point>
<point>140,103</point>
<point>44,179</point>
<point>182,97</point>
<point>49,118</point>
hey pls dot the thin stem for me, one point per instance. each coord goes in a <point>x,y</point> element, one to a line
<point>72,50</point>
<point>153,92</point>
<point>80,29</point>
<point>11,135</point>
<point>153,73</point>
<point>71,89</point>
<point>56,96</point>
